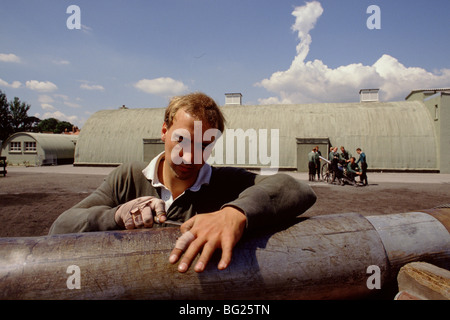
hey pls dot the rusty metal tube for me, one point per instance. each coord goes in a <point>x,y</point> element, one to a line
<point>323,257</point>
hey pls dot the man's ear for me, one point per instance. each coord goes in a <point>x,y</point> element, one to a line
<point>164,132</point>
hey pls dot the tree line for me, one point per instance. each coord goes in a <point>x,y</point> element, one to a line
<point>14,118</point>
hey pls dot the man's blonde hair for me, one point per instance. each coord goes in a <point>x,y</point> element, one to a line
<point>198,105</point>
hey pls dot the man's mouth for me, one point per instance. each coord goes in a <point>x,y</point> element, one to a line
<point>185,168</point>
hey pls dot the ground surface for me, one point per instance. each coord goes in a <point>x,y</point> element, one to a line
<point>32,198</point>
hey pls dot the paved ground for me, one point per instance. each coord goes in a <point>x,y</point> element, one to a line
<point>375,177</point>
<point>32,198</point>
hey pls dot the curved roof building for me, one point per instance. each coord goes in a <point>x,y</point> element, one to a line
<point>394,135</point>
<point>112,137</point>
<point>39,148</point>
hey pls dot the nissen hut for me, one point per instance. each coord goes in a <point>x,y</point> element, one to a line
<point>409,135</point>
<point>35,149</point>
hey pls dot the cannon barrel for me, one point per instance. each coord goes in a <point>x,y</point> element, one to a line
<point>324,257</point>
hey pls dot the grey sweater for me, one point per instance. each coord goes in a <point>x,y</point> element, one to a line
<point>265,200</point>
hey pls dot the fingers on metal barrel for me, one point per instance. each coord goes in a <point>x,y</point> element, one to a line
<point>184,241</point>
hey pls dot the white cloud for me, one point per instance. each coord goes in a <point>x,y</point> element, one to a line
<point>86,29</point>
<point>10,57</point>
<point>45,102</point>
<point>61,62</point>
<point>60,116</point>
<point>306,18</point>
<point>46,86</point>
<point>13,85</point>
<point>45,99</point>
<point>313,81</point>
<point>398,79</point>
<point>61,96</point>
<point>91,87</point>
<point>161,86</point>
<point>71,104</point>
<point>47,106</point>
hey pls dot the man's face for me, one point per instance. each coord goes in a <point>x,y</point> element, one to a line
<point>184,145</point>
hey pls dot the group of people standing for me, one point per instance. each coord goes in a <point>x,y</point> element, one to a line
<point>340,162</point>
<point>314,163</point>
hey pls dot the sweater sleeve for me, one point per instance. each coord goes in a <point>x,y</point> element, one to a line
<point>94,213</point>
<point>97,211</point>
<point>274,199</point>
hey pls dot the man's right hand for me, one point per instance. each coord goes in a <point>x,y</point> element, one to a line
<point>141,213</point>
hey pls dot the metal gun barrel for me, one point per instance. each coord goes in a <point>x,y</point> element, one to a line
<point>322,257</point>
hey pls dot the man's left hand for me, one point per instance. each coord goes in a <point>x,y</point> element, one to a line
<point>205,233</point>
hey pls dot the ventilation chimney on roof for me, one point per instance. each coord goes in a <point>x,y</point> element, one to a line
<point>234,99</point>
<point>368,95</point>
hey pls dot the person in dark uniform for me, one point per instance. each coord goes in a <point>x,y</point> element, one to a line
<point>345,155</point>
<point>312,164</point>
<point>318,155</point>
<point>353,170</point>
<point>363,160</point>
<point>335,158</point>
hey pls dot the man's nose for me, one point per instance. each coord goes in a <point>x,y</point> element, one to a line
<point>188,156</point>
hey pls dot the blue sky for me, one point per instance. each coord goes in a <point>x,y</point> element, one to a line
<point>140,53</point>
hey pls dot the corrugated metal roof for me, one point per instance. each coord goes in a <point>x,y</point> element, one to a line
<point>116,136</point>
<point>61,145</point>
<point>394,135</point>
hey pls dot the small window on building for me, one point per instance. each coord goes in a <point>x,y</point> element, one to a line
<point>15,146</point>
<point>436,112</point>
<point>30,146</point>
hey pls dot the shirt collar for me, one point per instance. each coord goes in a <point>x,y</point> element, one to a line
<point>151,173</point>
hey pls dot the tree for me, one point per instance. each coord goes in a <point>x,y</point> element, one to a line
<point>47,125</point>
<point>34,123</point>
<point>62,126</point>
<point>5,123</point>
<point>54,125</point>
<point>20,120</point>
<point>14,117</point>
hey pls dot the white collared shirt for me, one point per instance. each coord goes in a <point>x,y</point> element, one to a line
<point>151,173</point>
